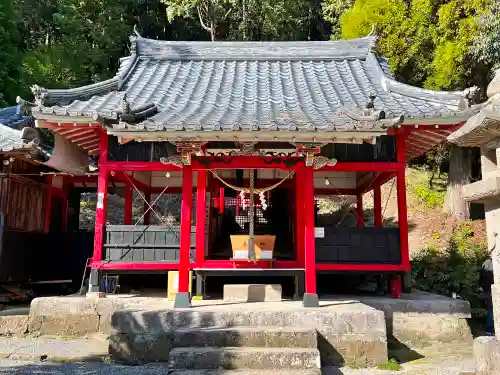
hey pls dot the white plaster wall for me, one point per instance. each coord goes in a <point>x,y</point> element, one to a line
<point>338,180</point>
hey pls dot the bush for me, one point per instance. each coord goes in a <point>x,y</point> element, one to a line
<point>454,269</point>
<point>429,197</point>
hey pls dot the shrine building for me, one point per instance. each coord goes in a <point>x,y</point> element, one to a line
<point>249,133</point>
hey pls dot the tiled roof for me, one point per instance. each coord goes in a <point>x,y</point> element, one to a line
<point>248,86</point>
<point>12,119</point>
<point>480,128</point>
<point>10,139</point>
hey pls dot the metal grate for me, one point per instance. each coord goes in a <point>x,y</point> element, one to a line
<point>234,207</point>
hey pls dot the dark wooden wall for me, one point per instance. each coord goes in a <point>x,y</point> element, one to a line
<point>368,245</point>
<point>22,203</point>
<point>144,243</point>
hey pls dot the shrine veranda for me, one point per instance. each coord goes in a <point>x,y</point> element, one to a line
<point>306,118</point>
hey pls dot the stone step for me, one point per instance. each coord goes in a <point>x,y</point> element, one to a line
<point>246,372</point>
<point>278,337</point>
<point>210,358</point>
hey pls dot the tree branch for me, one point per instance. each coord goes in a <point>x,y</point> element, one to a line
<point>201,20</point>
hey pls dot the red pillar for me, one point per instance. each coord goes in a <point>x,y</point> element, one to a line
<point>299,218</point>
<point>402,208</point>
<point>182,299</point>
<point>377,205</point>
<point>201,215</point>
<point>147,216</point>
<point>360,213</point>
<point>127,214</point>
<point>100,212</point>
<point>310,296</point>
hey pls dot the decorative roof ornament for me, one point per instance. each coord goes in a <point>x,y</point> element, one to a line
<point>40,94</point>
<point>322,161</point>
<point>125,105</point>
<point>136,32</point>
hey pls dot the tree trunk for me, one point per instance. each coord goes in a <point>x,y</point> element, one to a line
<point>458,176</point>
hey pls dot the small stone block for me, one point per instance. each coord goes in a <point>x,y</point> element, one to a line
<point>252,293</point>
<point>96,295</point>
<point>487,355</point>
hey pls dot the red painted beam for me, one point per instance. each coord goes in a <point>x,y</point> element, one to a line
<point>229,264</point>
<point>365,167</point>
<point>306,177</point>
<point>402,208</point>
<point>362,267</point>
<point>138,166</point>
<point>125,266</point>
<point>102,199</point>
<point>201,216</point>
<point>185,245</point>
<point>246,162</point>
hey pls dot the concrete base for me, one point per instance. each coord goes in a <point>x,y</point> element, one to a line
<point>182,301</point>
<point>252,293</point>
<point>487,355</point>
<point>420,319</point>
<point>348,330</point>
<point>310,300</point>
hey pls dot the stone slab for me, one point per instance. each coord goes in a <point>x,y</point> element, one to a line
<point>487,355</point>
<point>244,358</point>
<point>347,334</point>
<point>71,316</point>
<point>420,318</point>
<point>13,325</point>
<point>252,293</point>
<point>278,337</point>
<point>247,372</point>
<point>53,349</point>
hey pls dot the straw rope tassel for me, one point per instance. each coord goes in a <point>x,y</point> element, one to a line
<point>251,242</point>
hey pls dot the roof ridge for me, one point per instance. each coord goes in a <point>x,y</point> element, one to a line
<point>254,50</point>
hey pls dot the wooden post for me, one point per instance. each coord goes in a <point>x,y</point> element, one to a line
<point>360,213</point>
<point>147,216</point>
<point>307,181</point>
<point>201,216</point>
<point>65,203</point>
<point>402,208</point>
<point>182,299</point>
<point>48,205</point>
<point>127,214</point>
<point>377,205</point>
<point>100,212</point>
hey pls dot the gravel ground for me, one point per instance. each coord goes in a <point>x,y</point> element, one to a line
<point>63,356</point>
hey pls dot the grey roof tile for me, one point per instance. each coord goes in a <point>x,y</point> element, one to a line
<point>231,86</point>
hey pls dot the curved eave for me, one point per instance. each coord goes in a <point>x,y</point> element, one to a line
<point>480,130</point>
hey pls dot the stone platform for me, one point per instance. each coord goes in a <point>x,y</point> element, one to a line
<point>340,331</point>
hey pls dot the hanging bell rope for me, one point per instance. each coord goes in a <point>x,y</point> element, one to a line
<point>255,191</point>
<point>251,225</point>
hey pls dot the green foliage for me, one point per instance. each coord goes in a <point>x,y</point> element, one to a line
<point>390,365</point>
<point>452,270</point>
<point>431,198</point>
<point>9,52</point>
<point>426,42</point>
<point>486,46</point>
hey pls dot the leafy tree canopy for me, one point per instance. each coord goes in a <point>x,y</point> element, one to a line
<point>428,42</point>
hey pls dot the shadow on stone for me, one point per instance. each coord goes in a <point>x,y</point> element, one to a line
<point>400,351</point>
